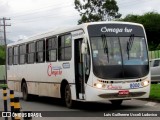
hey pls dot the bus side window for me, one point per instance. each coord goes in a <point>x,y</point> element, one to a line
<point>31,53</point>
<point>15,55</point>
<point>51,49</point>
<point>40,51</point>
<point>10,56</point>
<point>65,47</point>
<point>22,54</point>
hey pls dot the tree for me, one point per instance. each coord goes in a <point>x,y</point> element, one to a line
<point>150,21</point>
<point>2,55</point>
<point>96,10</point>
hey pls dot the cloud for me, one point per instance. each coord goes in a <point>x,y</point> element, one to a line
<point>30,17</point>
<point>4,9</point>
<point>137,6</point>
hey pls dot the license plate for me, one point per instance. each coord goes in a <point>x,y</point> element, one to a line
<point>123,92</point>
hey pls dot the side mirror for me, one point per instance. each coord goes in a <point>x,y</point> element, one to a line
<point>84,48</point>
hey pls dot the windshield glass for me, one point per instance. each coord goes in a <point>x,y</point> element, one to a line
<point>119,57</point>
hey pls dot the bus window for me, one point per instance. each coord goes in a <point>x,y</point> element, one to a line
<point>22,54</point>
<point>31,52</point>
<point>64,47</point>
<point>51,49</point>
<point>10,53</point>
<point>40,56</point>
<point>156,63</point>
<point>15,55</point>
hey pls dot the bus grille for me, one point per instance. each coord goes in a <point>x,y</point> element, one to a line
<point>116,95</point>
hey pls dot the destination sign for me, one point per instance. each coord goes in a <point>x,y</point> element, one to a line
<point>115,30</point>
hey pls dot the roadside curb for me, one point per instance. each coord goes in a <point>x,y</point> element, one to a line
<point>149,99</point>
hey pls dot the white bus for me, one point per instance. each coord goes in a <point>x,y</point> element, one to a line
<point>96,61</point>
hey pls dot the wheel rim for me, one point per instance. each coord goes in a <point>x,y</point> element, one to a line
<point>68,96</point>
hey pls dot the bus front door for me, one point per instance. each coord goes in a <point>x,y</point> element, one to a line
<point>79,74</point>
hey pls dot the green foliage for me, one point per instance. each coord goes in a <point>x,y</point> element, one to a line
<point>96,10</point>
<point>2,55</point>
<point>3,86</point>
<point>151,22</point>
<point>155,92</point>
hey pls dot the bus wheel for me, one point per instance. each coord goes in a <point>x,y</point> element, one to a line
<point>25,92</point>
<point>116,102</point>
<point>68,98</point>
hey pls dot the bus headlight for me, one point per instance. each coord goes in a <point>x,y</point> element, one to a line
<point>99,85</point>
<point>145,83</point>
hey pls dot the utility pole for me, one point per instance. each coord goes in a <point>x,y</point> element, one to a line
<point>5,41</point>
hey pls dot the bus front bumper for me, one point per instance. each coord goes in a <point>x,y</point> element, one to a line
<point>95,94</point>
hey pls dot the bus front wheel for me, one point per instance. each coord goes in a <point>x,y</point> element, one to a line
<point>68,97</point>
<point>116,102</point>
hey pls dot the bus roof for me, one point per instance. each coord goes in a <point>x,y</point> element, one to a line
<point>67,29</point>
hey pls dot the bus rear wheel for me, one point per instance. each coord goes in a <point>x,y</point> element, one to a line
<point>25,94</point>
<point>116,102</point>
<point>68,97</point>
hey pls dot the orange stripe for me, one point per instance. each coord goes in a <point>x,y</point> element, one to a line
<point>5,98</point>
<point>11,95</point>
<point>12,104</point>
<point>17,118</point>
<point>16,105</point>
<point>4,91</point>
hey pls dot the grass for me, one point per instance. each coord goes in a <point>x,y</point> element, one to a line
<point>3,85</point>
<point>155,92</point>
<point>2,72</point>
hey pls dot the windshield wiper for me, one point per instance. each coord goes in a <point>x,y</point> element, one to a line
<point>129,44</point>
<point>105,46</point>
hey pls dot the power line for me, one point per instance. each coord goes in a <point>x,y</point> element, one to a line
<point>44,18</point>
<point>40,9</point>
<point>15,17</point>
<point>30,11</point>
<point>50,15</point>
<point>46,15</point>
<point>122,4</point>
<point>51,7</point>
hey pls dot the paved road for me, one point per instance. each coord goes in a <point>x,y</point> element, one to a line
<point>90,109</point>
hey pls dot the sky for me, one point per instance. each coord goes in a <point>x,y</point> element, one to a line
<point>30,17</point>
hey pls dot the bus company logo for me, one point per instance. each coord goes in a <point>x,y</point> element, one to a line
<point>116,30</point>
<point>114,87</point>
<point>54,70</point>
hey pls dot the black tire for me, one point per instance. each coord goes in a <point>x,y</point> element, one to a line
<point>25,94</point>
<point>68,97</point>
<point>116,102</point>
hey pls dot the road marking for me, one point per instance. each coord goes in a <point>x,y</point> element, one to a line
<point>150,104</point>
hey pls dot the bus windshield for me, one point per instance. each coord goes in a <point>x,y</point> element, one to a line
<point>119,57</point>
